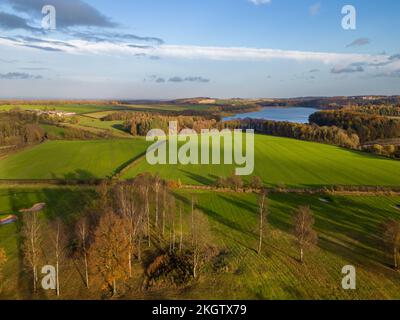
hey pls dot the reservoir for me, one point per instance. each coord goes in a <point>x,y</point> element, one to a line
<point>290,114</point>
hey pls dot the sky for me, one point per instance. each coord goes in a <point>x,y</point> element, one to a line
<point>158,49</point>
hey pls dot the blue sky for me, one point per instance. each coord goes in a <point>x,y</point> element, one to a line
<point>158,49</point>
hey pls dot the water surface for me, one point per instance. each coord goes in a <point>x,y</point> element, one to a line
<point>290,114</point>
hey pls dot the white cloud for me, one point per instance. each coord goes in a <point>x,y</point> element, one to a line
<point>202,52</point>
<point>258,2</point>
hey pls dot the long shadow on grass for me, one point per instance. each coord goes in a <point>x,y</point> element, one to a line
<point>216,216</point>
<point>65,203</point>
<point>80,174</point>
<point>347,228</point>
<point>250,207</point>
<point>198,178</point>
<point>17,200</point>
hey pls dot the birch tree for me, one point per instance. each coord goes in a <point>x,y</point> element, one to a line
<point>171,218</point>
<point>156,187</point>
<point>127,209</point>
<point>82,233</point>
<point>303,229</point>
<point>181,228</point>
<point>192,218</point>
<point>201,238</point>
<point>164,209</point>
<point>263,215</point>
<point>32,238</point>
<point>59,244</point>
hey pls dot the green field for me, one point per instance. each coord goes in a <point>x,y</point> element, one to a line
<point>98,108</point>
<point>348,227</point>
<point>293,163</point>
<point>53,130</point>
<point>63,202</point>
<point>115,127</point>
<point>279,161</point>
<point>71,159</point>
<point>78,108</point>
<point>166,107</point>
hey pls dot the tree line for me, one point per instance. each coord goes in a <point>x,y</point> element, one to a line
<point>20,128</point>
<point>368,127</point>
<point>380,110</point>
<point>139,124</point>
<point>323,134</point>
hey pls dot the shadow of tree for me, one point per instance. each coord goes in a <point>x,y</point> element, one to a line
<point>198,178</point>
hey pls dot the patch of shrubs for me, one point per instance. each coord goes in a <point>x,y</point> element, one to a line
<point>236,183</point>
<point>170,268</point>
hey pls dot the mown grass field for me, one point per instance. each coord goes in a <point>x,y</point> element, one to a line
<point>278,161</point>
<point>71,159</point>
<point>348,228</point>
<point>294,163</point>
<point>115,127</point>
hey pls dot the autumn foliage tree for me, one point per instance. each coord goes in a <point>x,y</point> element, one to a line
<point>108,253</point>
<point>303,229</point>
<point>3,260</point>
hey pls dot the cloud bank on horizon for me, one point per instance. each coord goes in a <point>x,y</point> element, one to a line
<point>98,35</point>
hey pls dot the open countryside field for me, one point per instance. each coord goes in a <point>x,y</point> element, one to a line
<point>99,109</point>
<point>278,161</point>
<point>348,227</point>
<point>78,108</point>
<point>293,163</point>
<point>71,159</point>
<point>115,127</point>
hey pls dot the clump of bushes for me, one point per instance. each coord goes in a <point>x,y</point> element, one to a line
<point>236,183</point>
<point>170,268</point>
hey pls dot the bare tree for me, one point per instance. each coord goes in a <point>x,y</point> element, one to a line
<point>171,218</point>
<point>263,212</point>
<point>127,207</point>
<point>147,209</point>
<point>303,229</point>
<point>157,186</point>
<point>391,237</point>
<point>164,208</point>
<point>32,237</point>
<point>59,243</point>
<point>201,238</point>
<point>181,228</point>
<point>82,232</point>
<point>192,213</point>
